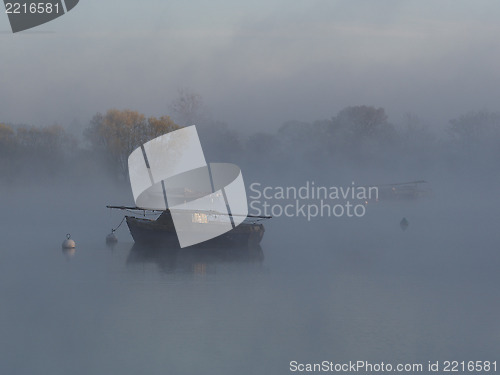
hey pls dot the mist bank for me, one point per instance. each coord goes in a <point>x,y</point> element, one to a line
<point>359,144</point>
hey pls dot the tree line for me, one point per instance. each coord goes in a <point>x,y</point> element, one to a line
<point>355,136</point>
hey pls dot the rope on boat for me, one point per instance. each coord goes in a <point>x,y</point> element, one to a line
<point>119,225</point>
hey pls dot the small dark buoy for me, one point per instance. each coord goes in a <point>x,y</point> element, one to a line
<point>404,224</point>
<point>68,242</point>
<point>111,238</point>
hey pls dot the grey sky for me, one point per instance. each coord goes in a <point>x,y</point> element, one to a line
<point>256,65</point>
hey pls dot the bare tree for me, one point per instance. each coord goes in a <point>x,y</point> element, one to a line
<point>187,107</point>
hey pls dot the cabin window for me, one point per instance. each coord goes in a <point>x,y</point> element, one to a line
<point>200,218</point>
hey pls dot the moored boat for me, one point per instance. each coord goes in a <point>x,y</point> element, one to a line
<point>162,232</point>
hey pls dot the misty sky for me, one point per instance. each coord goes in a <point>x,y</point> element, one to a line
<point>256,64</point>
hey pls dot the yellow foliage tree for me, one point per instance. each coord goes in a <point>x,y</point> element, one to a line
<point>6,132</point>
<point>119,132</point>
<point>7,139</point>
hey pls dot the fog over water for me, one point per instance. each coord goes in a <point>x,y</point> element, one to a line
<point>325,93</point>
<point>335,289</point>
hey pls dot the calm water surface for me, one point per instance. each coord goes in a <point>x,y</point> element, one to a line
<point>326,290</point>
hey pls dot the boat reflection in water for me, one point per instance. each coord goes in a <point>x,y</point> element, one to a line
<point>194,260</point>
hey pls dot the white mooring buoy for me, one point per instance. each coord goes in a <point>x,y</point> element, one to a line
<point>68,242</point>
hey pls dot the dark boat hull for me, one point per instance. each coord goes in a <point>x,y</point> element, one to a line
<point>162,233</point>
